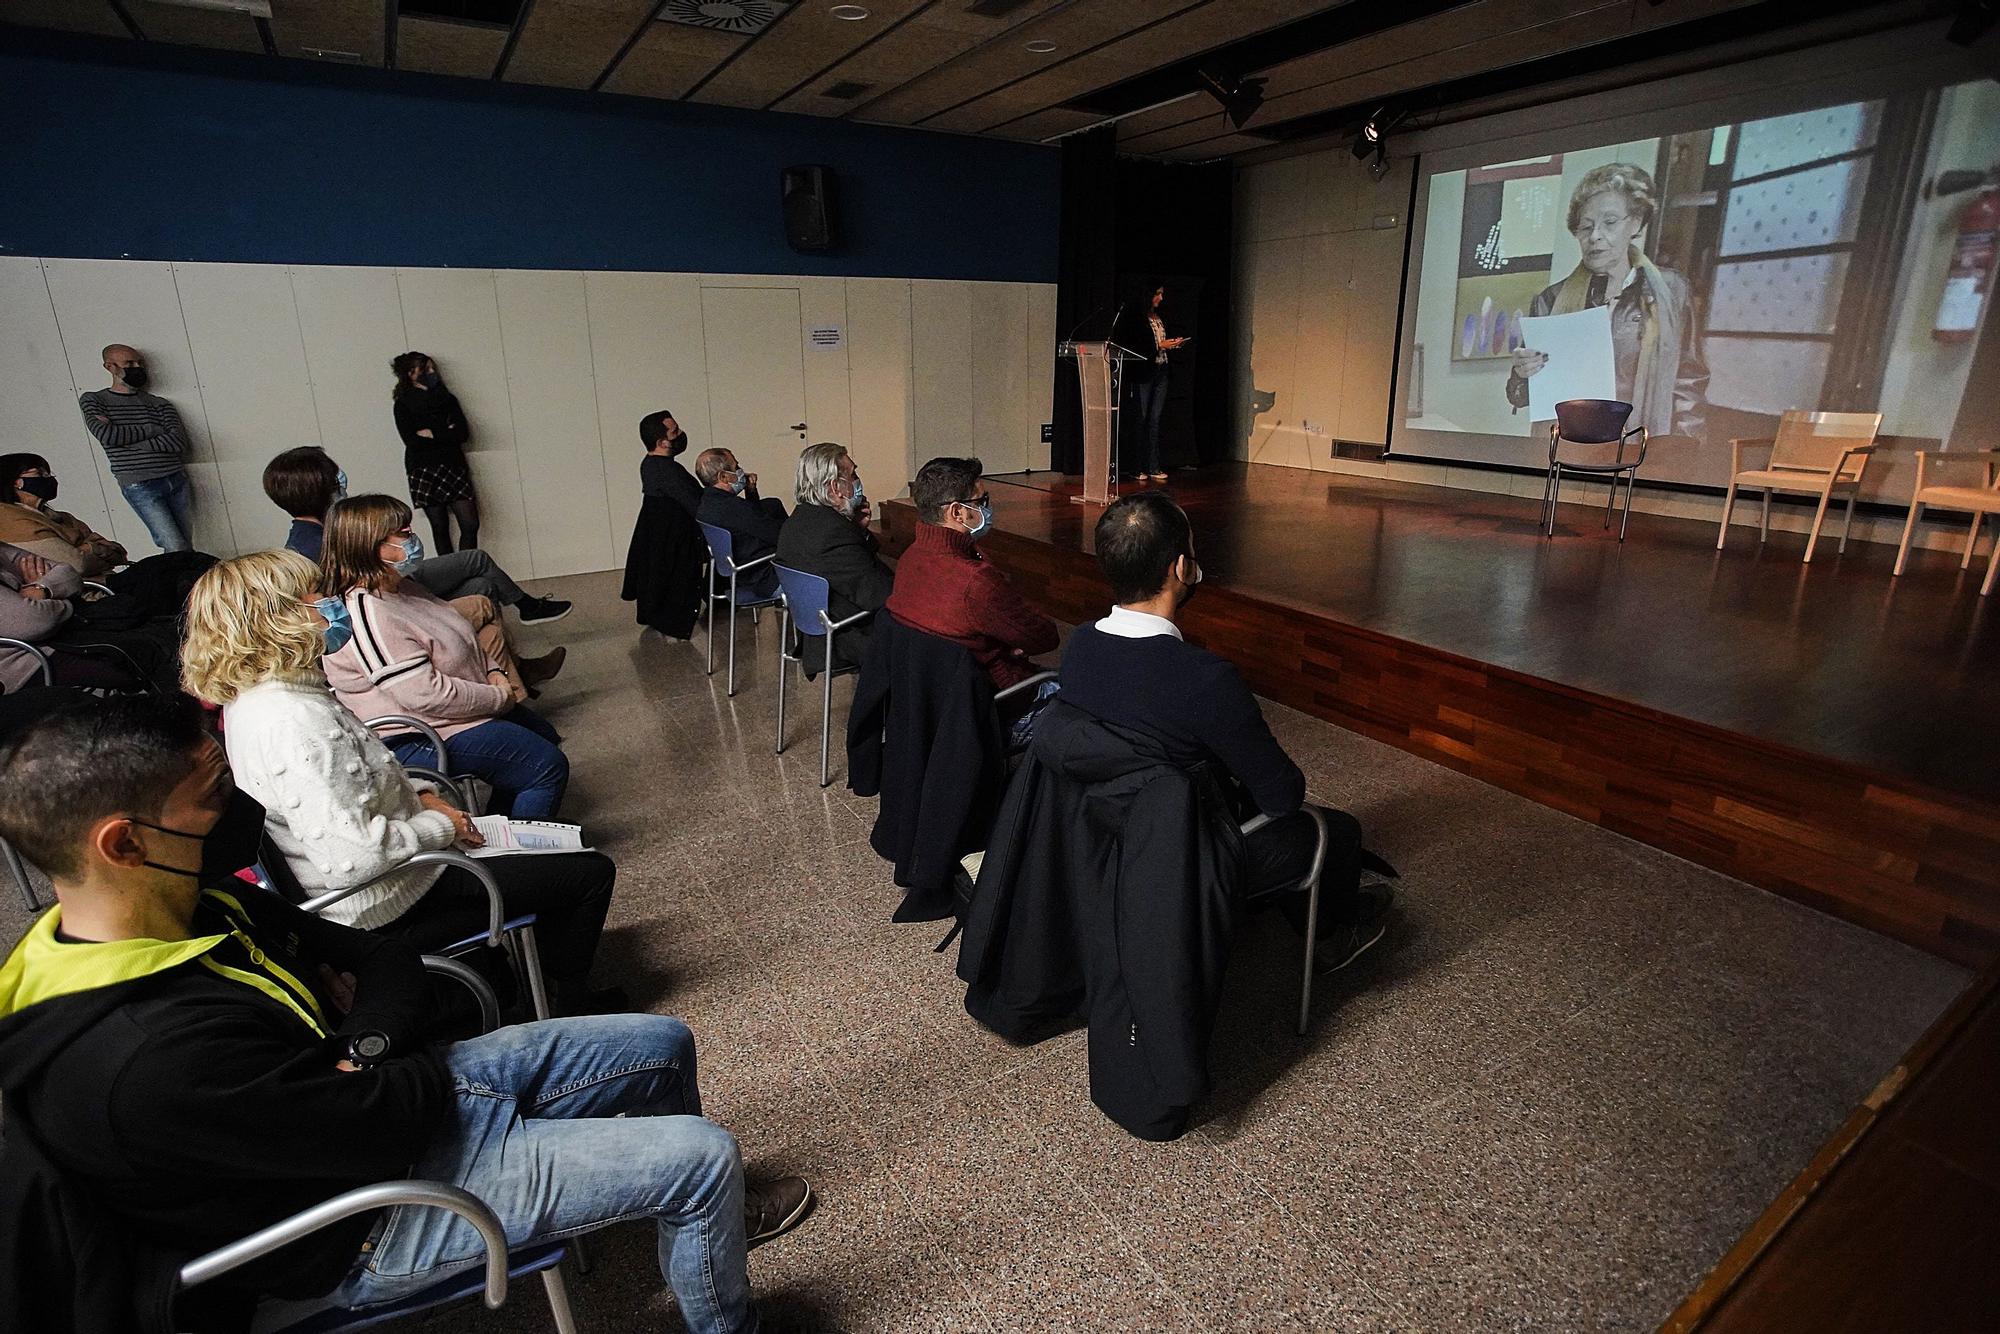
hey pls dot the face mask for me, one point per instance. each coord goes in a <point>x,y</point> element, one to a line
<point>42,488</point>
<point>741,484</point>
<point>339,626</point>
<point>136,377</point>
<point>234,843</point>
<point>413,551</point>
<point>430,379</point>
<point>852,505</point>
<point>340,486</point>
<point>985,508</point>
<point>1193,583</point>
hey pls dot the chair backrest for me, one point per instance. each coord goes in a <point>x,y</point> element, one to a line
<point>1592,421</point>
<point>806,598</point>
<point>722,546</point>
<point>1814,441</point>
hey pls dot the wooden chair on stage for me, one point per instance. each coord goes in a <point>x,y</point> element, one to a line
<point>1820,454</point>
<point>1982,499</point>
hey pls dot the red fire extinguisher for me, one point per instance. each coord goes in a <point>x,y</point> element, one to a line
<point>1969,280</point>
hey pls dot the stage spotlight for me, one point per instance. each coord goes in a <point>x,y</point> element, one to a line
<point>1240,97</point>
<point>1373,131</point>
<point>1973,19</point>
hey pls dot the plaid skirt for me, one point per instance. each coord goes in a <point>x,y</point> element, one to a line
<point>439,483</point>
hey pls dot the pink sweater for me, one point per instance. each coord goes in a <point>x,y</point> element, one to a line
<point>412,653</point>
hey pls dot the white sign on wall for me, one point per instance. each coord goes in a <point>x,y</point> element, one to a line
<point>826,337</point>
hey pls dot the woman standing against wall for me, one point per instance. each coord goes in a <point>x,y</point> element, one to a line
<point>433,428</point>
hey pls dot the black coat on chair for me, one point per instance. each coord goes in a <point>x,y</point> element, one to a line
<point>1108,891</point>
<point>664,567</point>
<point>923,735</point>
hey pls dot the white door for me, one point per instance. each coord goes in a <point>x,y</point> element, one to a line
<point>756,380</point>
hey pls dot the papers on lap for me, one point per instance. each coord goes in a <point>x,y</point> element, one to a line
<point>1581,362</point>
<point>508,838</point>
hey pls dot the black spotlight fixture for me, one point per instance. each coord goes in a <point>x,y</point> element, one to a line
<point>1240,96</point>
<point>1373,137</point>
<point>1974,17</point>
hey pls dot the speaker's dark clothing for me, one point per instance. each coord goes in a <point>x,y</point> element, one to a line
<point>754,524</point>
<point>664,566</point>
<point>825,542</point>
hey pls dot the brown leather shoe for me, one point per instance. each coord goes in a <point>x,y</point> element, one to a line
<point>535,671</point>
<point>773,1208</point>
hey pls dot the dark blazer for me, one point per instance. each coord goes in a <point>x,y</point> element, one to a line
<point>923,735</point>
<point>660,475</point>
<point>1108,891</point>
<point>755,525</point>
<point>820,540</point>
<point>664,566</point>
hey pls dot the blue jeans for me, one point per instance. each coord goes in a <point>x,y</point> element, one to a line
<point>162,504</point>
<point>565,1126</point>
<point>516,752</point>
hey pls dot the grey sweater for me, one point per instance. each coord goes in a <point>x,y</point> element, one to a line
<point>141,433</point>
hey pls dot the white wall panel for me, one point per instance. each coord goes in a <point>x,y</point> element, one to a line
<point>351,324</point>
<point>1039,370</point>
<point>879,376</point>
<point>646,347</point>
<point>1267,345</point>
<point>546,329</point>
<point>101,301</point>
<point>829,405</point>
<point>756,379</point>
<point>39,414</point>
<point>243,330</point>
<point>999,389</point>
<point>941,367</point>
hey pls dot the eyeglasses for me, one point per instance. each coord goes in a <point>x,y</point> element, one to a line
<point>1600,226</point>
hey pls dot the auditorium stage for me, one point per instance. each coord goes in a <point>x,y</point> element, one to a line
<point>1825,731</point>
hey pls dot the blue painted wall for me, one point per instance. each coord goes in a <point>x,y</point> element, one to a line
<point>258,160</point>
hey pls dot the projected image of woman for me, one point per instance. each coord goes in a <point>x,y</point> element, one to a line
<point>1660,369</point>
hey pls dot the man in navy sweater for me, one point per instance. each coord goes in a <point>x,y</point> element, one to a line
<point>1133,669</point>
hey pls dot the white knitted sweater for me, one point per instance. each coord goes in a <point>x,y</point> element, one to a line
<point>336,802</point>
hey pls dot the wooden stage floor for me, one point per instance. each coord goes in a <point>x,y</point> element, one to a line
<point>1826,731</point>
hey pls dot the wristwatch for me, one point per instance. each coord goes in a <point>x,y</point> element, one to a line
<point>368,1048</point>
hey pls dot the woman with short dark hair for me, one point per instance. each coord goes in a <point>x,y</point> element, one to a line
<point>30,521</point>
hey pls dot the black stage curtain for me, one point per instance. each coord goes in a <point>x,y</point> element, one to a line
<point>1129,225</point>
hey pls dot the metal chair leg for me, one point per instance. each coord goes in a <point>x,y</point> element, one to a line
<point>732,634</point>
<point>825,711</point>
<point>711,623</point>
<point>784,625</point>
<point>1610,500</point>
<point>1631,480</point>
<point>1312,919</point>
<point>558,1294</point>
<point>1548,497</point>
<point>19,869</point>
<point>531,964</point>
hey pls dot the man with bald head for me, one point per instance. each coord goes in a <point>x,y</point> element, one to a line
<point>729,500</point>
<point>147,447</point>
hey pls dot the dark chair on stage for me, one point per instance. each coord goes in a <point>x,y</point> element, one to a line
<point>1589,436</point>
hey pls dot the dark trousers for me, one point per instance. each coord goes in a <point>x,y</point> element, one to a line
<point>1151,400</point>
<point>1278,856</point>
<point>568,892</point>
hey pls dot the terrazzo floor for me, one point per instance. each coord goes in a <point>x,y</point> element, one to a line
<point>1578,1071</point>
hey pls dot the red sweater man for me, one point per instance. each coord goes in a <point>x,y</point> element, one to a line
<point>946,588</point>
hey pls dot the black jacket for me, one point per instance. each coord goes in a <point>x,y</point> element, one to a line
<point>924,735</point>
<point>661,475</point>
<point>664,567</point>
<point>437,411</point>
<point>823,541</point>
<point>754,524</point>
<point>190,1092</point>
<point>1108,891</point>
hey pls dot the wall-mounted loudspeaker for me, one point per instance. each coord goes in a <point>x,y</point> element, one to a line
<point>810,220</point>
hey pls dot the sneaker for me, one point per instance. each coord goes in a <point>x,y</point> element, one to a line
<point>1352,939</point>
<point>532,609</point>
<point>774,1208</point>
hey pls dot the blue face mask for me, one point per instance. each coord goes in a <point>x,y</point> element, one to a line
<point>339,628</point>
<point>340,486</point>
<point>413,551</point>
<point>741,482</point>
<point>854,502</point>
<point>985,508</point>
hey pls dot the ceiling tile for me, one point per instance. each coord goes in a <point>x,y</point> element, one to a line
<point>333,25</point>
<point>93,16</point>
<point>806,40</point>
<point>469,50</point>
<point>1047,124</point>
<point>669,59</point>
<point>196,27</point>
<point>570,43</point>
<point>939,32</point>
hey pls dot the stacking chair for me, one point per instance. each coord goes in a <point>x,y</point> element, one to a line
<point>464,789</point>
<point>1310,883</point>
<point>806,597</point>
<point>37,652</point>
<point>500,1264</point>
<point>1586,427</point>
<point>1982,498</point>
<point>721,547</point>
<point>1820,454</point>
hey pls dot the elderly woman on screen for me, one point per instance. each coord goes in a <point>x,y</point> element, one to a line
<point>1653,340</point>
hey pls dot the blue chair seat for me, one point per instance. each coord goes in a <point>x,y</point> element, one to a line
<point>528,1260</point>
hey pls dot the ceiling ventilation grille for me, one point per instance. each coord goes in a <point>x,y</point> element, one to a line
<point>993,9</point>
<point>846,90</point>
<point>745,16</point>
<point>493,13</point>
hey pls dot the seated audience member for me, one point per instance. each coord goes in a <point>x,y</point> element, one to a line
<point>828,535</point>
<point>130,641</point>
<point>198,1060</point>
<point>413,654</point>
<point>337,804</point>
<point>660,472</point>
<point>29,520</point>
<point>1133,669</point>
<point>34,606</point>
<point>729,500</point>
<point>305,483</point>
<point>946,588</point>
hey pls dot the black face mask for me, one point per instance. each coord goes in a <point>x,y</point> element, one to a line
<point>235,842</point>
<point>136,377</point>
<point>41,488</point>
<point>430,379</point>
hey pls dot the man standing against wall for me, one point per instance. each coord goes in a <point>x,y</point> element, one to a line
<point>147,446</point>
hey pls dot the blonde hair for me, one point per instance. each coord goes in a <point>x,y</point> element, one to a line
<point>1634,182</point>
<point>248,620</point>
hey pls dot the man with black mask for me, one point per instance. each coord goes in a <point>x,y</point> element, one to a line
<point>661,472</point>
<point>147,447</point>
